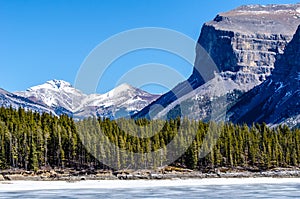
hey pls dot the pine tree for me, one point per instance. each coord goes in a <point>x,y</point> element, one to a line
<point>33,160</point>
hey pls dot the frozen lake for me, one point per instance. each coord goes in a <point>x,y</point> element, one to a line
<point>200,188</point>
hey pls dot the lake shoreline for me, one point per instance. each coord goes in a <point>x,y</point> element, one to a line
<point>163,174</point>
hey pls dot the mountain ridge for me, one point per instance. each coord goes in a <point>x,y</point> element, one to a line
<point>60,97</point>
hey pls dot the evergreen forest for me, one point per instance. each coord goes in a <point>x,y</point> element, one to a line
<point>32,141</point>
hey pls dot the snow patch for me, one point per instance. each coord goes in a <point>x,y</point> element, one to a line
<point>255,12</point>
<point>288,94</point>
<point>280,86</point>
<point>270,82</point>
<point>260,12</point>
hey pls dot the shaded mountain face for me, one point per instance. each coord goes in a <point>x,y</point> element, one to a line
<point>277,100</point>
<point>59,97</point>
<point>244,44</point>
<point>8,100</point>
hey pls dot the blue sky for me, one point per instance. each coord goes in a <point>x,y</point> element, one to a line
<point>49,39</point>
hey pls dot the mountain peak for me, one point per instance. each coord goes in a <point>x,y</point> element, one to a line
<point>52,84</point>
<point>124,86</point>
<point>120,89</point>
<point>59,83</point>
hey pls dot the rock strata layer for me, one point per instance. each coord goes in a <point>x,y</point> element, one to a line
<point>277,100</point>
<point>244,44</point>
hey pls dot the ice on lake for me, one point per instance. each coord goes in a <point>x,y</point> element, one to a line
<point>191,188</point>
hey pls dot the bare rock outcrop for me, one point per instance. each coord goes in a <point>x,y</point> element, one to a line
<point>277,100</point>
<point>244,44</point>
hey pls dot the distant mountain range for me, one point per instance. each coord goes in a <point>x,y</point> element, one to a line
<point>256,51</point>
<point>59,97</point>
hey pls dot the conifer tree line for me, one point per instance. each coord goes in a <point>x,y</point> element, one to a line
<point>33,141</point>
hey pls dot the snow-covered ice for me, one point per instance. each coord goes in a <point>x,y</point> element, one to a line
<point>114,184</point>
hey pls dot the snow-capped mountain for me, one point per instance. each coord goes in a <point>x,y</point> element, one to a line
<point>122,101</point>
<point>62,98</point>
<point>58,95</point>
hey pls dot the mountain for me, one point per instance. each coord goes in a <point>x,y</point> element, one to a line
<point>8,100</point>
<point>277,100</point>
<point>62,98</point>
<point>122,101</point>
<point>244,44</point>
<point>58,95</point>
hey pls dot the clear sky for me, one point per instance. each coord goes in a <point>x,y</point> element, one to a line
<point>42,40</point>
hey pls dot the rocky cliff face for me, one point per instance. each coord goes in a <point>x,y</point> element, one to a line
<point>277,100</point>
<point>244,44</point>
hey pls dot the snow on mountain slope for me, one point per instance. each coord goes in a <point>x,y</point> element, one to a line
<point>122,101</point>
<point>62,98</point>
<point>55,93</point>
<point>8,99</point>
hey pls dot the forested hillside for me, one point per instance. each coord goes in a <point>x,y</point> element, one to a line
<point>35,141</point>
